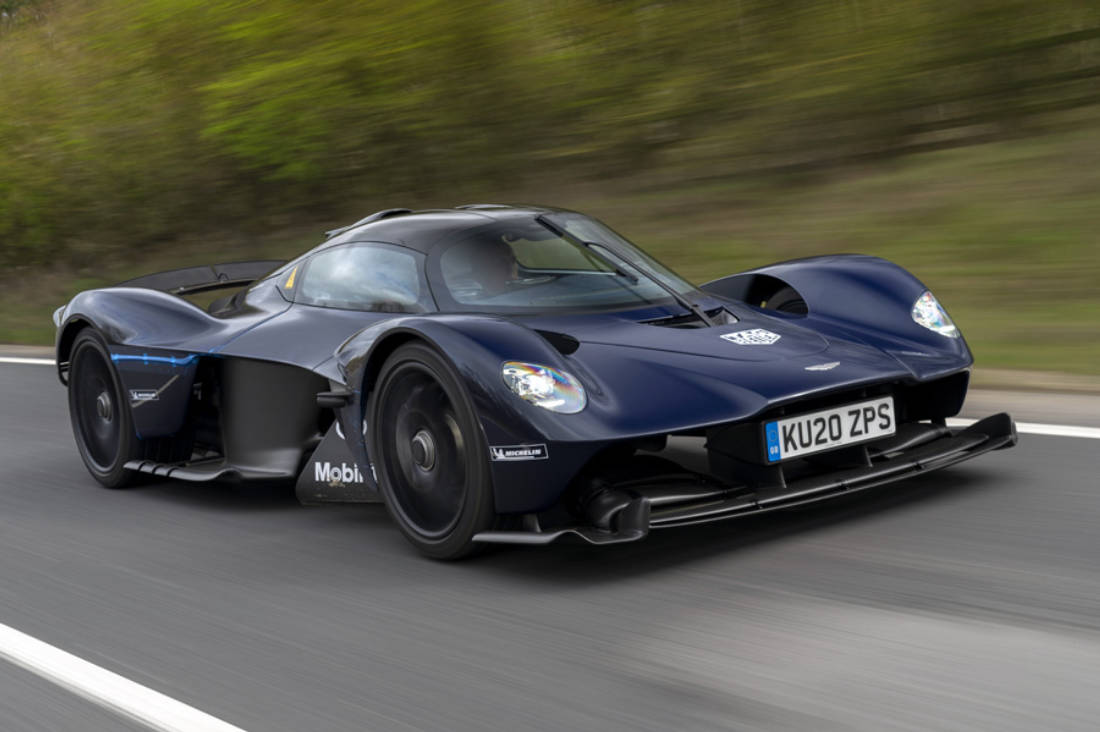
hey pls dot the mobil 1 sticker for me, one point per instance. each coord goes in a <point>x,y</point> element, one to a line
<point>510,453</point>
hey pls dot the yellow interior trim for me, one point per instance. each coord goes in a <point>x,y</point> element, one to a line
<point>289,284</point>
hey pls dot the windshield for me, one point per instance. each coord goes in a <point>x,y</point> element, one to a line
<point>566,261</point>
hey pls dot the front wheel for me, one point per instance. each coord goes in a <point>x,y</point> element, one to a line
<point>429,453</point>
<point>102,423</point>
<point>787,300</point>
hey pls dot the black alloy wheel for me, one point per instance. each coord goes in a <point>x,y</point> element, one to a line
<point>429,453</point>
<point>101,419</point>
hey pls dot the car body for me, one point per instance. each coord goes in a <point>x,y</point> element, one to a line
<point>514,373</point>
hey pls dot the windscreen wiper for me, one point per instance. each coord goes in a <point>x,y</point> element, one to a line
<point>593,247</point>
<point>676,295</point>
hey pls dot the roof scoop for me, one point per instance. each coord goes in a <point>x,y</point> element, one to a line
<point>376,216</point>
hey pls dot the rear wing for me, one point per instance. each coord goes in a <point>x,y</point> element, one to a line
<point>190,280</point>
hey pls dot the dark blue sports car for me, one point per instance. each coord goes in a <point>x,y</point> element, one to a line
<point>519,374</point>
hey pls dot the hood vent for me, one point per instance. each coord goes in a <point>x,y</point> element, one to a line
<point>563,343</point>
<point>720,316</point>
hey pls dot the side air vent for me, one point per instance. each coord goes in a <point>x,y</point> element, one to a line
<point>564,344</point>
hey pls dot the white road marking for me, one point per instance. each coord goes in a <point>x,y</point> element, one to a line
<point>35,361</point>
<point>1024,428</point>
<point>105,688</point>
<point>1036,428</point>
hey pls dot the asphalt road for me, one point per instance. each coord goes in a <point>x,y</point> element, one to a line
<point>966,599</point>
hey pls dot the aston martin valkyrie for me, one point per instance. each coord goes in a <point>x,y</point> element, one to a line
<point>518,375</point>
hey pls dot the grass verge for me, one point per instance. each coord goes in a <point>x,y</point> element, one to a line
<point>1007,235</point>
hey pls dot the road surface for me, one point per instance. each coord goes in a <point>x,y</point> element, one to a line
<point>965,599</point>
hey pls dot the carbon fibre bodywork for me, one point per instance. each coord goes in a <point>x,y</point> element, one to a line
<point>239,384</point>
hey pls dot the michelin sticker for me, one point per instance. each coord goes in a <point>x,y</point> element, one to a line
<point>518,452</point>
<point>753,337</point>
<point>144,395</point>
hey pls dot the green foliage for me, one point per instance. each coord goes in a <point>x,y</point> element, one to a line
<point>125,123</point>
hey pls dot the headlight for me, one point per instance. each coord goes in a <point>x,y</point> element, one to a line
<point>544,387</point>
<point>928,312</point>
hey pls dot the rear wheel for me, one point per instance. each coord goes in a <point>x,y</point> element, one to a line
<point>429,453</point>
<point>101,419</point>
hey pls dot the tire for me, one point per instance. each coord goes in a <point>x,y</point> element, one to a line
<point>102,423</point>
<point>787,300</point>
<point>429,453</point>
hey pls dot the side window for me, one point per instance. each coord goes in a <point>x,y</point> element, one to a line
<point>379,277</point>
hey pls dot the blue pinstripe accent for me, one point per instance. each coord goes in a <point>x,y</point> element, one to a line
<point>145,358</point>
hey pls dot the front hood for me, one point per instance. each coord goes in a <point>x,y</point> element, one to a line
<point>640,379</point>
<point>648,378</point>
<point>752,338</point>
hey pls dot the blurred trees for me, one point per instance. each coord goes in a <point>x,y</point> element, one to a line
<point>126,122</point>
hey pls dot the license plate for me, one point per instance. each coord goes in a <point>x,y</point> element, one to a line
<point>806,434</point>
